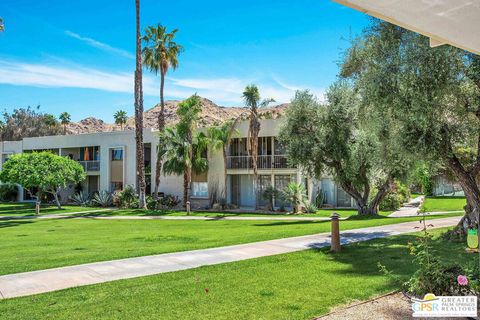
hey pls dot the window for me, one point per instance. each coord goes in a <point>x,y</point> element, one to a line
<point>117,154</point>
<point>200,189</point>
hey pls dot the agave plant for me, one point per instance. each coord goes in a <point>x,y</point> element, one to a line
<point>103,198</point>
<point>81,198</point>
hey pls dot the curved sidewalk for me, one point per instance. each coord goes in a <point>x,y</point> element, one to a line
<point>28,283</point>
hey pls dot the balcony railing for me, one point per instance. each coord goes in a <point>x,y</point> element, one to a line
<point>263,162</point>
<point>92,165</point>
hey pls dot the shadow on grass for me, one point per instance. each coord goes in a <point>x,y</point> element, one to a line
<point>290,223</point>
<point>14,223</point>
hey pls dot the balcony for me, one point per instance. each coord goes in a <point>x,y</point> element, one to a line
<point>263,162</point>
<point>92,165</point>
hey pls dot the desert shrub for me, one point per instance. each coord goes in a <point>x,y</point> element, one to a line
<point>8,192</point>
<point>103,198</point>
<point>127,198</point>
<point>81,198</point>
<point>310,207</point>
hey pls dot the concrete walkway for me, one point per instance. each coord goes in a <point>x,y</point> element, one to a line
<point>86,215</point>
<point>409,209</point>
<point>28,283</point>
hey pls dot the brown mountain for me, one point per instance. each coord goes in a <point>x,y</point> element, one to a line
<point>211,114</point>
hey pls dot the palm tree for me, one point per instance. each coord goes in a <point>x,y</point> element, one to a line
<point>160,54</point>
<point>120,118</point>
<point>139,113</point>
<point>64,120</point>
<point>296,194</point>
<point>2,25</point>
<point>184,157</point>
<point>251,96</point>
<point>50,120</point>
<point>218,139</point>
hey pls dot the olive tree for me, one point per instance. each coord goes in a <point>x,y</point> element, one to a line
<point>432,93</point>
<point>43,172</point>
<point>339,139</point>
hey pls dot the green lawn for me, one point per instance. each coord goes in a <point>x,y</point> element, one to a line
<point>28,209</point>
<point>433,204</point>
<point>33,244</point>
<point>299,285</point>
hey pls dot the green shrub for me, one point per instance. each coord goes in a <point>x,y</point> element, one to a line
<point>151,203</point>
<point>168,201</point>
<point>165,202</point>
<point>127,198</point>
<point>394,199</point>
<point>434,276</point>
<point>8,192</point>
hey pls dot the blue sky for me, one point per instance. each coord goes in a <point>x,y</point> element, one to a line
<point>78,56</point>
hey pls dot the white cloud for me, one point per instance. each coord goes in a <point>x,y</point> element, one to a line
<point>100,45</point>
<point>223,91</point>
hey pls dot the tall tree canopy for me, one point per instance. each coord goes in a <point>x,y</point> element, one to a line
<point>339,139</point>
<point>42,172</point>
<point>432,93</point>
<point>28,122</point>
<point>120,118</point>
<point>64,120</point>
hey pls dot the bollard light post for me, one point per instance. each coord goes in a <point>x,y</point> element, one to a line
<point>188,208</point>
<point>335,236</point>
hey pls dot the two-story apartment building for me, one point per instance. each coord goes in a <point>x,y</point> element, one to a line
<point>109,162</point>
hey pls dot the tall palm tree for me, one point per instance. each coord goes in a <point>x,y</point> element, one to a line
<point>64,120</point>
<point>252,99</point>
<point>160,53</point>
<point>120,118</point>
<point>139,113</point>
<point>219,139</point>
<point>184,157</point>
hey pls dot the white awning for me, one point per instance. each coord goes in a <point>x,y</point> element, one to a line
<point>454,22</point>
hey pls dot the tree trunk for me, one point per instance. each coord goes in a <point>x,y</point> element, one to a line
<point>161,128</point>
<point>185,188</point>
<point>254,129</point>
<point>472,194</point>
<point>225,172</point>
<point>381,193</point>
<point>57,201</point>
<point>139,114</point>
<point>38,203</point>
